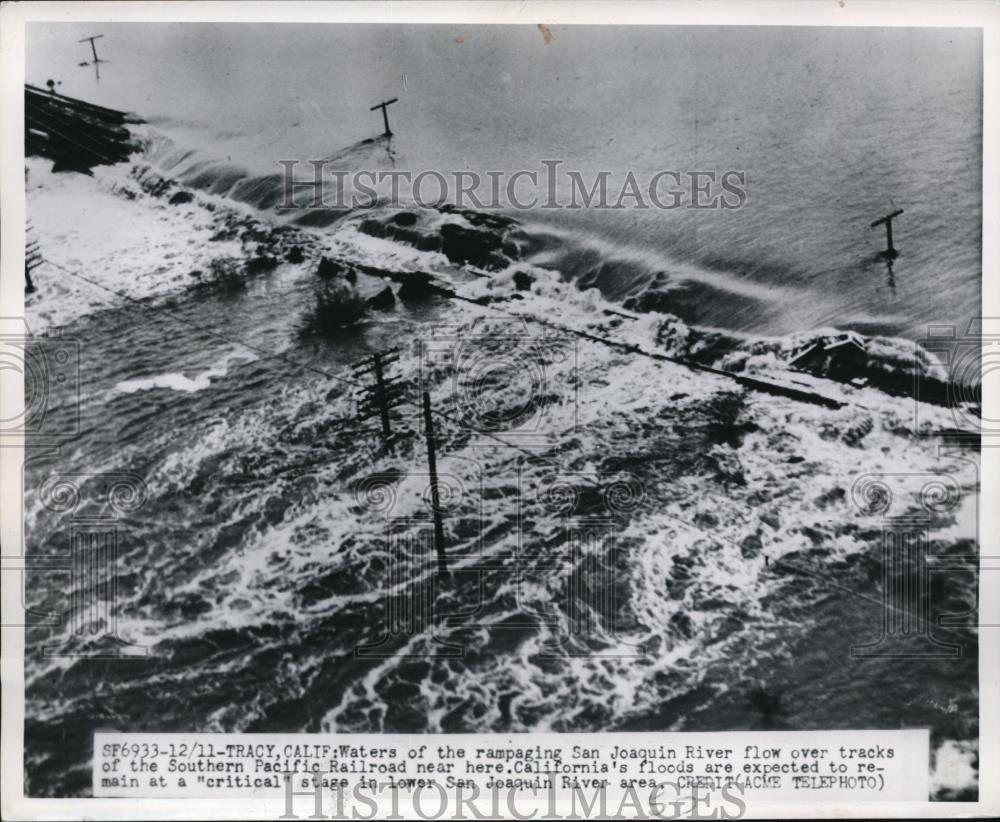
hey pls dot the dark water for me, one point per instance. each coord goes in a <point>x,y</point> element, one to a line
<point>259,575</point>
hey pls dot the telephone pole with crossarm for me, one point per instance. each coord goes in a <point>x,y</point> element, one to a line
<point>385,117</point>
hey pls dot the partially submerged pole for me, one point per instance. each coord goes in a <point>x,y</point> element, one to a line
<point>93,48</point>
<point>385,117</point>
<point>435,497</point>
<point>32,259</point>
<point>386,392</point>
<point>890,249</point>
<point>383,401</point>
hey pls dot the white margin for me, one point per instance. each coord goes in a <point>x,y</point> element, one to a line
<point>908,13</point>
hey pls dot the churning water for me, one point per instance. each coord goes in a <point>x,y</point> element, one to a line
<point>729,556</point>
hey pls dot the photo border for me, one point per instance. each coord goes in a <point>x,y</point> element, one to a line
<point>848,13</point>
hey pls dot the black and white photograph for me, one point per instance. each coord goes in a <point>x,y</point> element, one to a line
<point>503,379</point>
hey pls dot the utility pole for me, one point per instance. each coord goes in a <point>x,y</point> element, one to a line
<point>383,402</point>
<point>32,259</point>
<point>385,117</point>
<point>93,48</point>
<point>890,249</point>
<point>380,398</point>
<point>435,496</point>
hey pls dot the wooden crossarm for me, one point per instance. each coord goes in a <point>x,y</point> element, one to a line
<point>887,218</point>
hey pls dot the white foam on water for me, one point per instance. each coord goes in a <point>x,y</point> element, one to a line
<point>953,766</point>
<point>354,245</point>
<point>174,381</point>
<point>109,242</point>
<point>171,381</point>
<point>604,402</point>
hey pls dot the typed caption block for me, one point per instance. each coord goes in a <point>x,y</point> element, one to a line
<point>735,768</point>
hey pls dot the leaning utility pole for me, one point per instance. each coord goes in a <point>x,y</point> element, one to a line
<point>385,117</point>
<point>383,401</point>
<point>32,258</point>
<point>93,48</point>
<point>890,249</point>
<point>386,392</point>
<point>435,496</point>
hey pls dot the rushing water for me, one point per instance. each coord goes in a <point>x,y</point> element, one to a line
<point>722,548</point>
